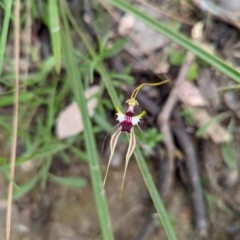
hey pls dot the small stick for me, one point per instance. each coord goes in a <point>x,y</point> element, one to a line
<point>164,116</point>
<point>188,148</point>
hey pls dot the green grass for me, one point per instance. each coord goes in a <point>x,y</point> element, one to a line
<point>7,6</point>
<point>54,27</point>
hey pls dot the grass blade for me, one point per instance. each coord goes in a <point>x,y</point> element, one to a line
<point>179,38</point>
<point>9,100</point>
<point>71,182</point>
<point>228,156</point>
<point>75,82</point>
<point>4,31</point>
<point>54,28</point>
<point>25,188</point>
<point>203,129</point>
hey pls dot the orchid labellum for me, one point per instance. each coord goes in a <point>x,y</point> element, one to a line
<point>127,122</point>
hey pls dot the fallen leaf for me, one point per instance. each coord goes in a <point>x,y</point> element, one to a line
<point>69,121</point>
<point>215,131</point>
<point>190,95</point>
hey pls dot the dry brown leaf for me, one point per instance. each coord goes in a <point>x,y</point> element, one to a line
<point>215,131</point>
<point>69,121</point>
<point>190,95</point>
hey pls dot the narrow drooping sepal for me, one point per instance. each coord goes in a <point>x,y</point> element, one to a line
<point>113,143</point>
<point>131,147</point>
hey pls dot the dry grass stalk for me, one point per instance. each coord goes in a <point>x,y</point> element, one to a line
<point>15,120</point>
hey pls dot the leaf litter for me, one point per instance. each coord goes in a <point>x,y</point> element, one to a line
<point>69,121</point>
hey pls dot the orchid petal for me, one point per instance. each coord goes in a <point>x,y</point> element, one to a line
<point>136,119</point>
<point>120,115</point>
<point>132,144</point>
<point>113,143</point>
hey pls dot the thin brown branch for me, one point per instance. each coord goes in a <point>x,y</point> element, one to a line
<point>15,120</point>
<point>163,118</point>
<point>188,148</point>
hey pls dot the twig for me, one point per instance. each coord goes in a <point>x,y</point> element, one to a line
<point>15,121</point>
<point>164,116</point>
<point>188,148</point>
<point>164,173</point>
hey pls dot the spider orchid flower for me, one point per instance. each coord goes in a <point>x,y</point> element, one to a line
<point>127,122</point>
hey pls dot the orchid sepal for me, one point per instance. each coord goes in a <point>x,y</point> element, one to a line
<point>113,143</point>
<point>131,147</point>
